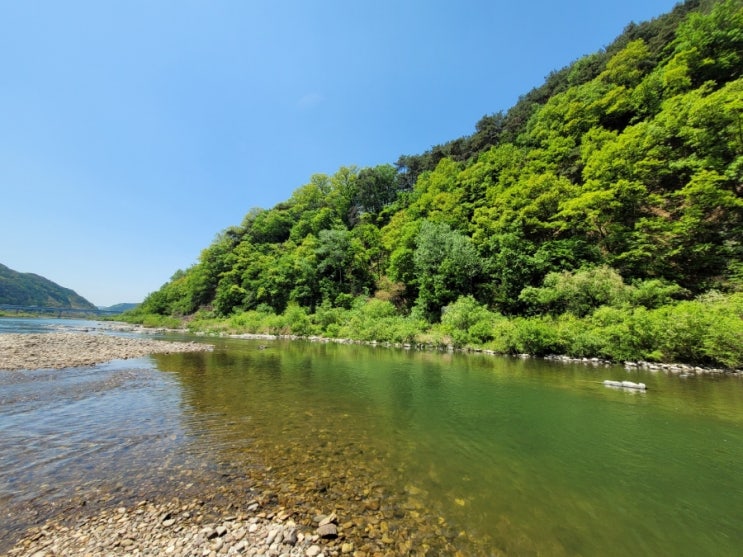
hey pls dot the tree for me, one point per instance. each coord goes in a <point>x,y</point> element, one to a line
<point>376,188</point>
<point>447,266</point>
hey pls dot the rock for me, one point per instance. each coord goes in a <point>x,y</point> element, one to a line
<point>332,518</point>
<point>290,536</point>
<point>327,531</point>
<point>272,535</point>
<point>313,551</point>
<point>209,533</point>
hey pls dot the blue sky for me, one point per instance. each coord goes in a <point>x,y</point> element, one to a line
<point>132,132</point>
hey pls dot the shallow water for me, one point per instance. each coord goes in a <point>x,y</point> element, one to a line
<point>491,455</point>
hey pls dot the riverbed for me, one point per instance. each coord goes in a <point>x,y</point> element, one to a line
<point>411,450</point>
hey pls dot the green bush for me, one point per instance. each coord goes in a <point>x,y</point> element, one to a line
<point>327,317</point>
<point>247,322</point>
<point>468,322</point>
<point>537,336</point>
<point>578,292</point>
<point>686,325</point>
<point>504,337</point>
<point>654,293</point>
<point>161,321</point>
<point>298,321</point>
<point>578,337</point>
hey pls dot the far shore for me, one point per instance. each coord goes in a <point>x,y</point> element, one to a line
<point>673,368</point>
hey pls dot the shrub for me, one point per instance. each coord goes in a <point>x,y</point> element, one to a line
<point>297,321</point>
<point>578,337</point>
<point>468,322</point>
<point>654,293</point>
<point>504,337</point>
<point>686,325</point>
<point>158,321</point>
<point>579,292</point>
<point>536,336</point>
<point>327,317</point>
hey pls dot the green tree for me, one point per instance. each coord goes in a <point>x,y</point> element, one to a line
<point>447,266</point>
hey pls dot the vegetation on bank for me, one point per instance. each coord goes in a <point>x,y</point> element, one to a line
<point>631,325</point>
<point>600,216</point>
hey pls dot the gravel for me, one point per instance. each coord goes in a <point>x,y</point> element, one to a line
<point>179,529</point>
<point>60,350</point>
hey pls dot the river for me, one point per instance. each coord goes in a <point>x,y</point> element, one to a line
<point>490,455</point>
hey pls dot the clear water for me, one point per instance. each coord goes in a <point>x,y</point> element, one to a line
<point>511,456</point>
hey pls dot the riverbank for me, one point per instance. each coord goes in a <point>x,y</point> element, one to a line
<point>60,350</point>
<point>184,528</point>
<point>680,369</point>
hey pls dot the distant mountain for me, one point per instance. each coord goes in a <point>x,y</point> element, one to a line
<point>28,289</point>
<point>119,308</point>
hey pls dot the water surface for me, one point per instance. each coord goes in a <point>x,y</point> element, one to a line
<point>491,455</point>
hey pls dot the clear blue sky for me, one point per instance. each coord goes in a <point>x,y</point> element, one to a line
<point>132,132</point>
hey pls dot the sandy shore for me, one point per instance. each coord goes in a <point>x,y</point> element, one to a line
<point>60,350</point>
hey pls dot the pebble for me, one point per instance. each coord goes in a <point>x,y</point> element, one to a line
<point>60,350</point>
<point>144,532</point>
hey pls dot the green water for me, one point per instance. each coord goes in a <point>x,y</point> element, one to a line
<point>500,456</point>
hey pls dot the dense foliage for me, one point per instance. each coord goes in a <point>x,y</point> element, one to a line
<point>28,289</point>
<point>602,215</point>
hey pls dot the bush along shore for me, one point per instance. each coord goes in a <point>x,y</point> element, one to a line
<point>687,337</point>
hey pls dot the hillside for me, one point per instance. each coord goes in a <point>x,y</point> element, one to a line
<point>615,185</point>
<point>28,289</point>
<point>120,308</point>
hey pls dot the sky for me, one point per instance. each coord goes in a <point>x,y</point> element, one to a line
<point>133,132</point>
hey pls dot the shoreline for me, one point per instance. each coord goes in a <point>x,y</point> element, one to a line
<point>126,348</point>
<point>682,370</point>
<point>183,527</point>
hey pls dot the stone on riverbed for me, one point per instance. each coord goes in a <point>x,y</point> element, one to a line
<point>139,531</point>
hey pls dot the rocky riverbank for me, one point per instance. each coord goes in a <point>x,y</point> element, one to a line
<point>60,350</point>
<point>184,528</point>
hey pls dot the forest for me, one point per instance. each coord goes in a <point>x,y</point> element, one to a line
<point>600,216</point>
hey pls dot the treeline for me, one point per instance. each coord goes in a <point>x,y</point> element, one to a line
<point>606,204</point>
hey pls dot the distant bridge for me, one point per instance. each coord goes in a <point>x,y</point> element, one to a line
<point>59,312</point>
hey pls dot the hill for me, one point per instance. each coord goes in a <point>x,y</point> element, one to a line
<point>613,189</point>
<point>119,308</point>
<point>28,289</point>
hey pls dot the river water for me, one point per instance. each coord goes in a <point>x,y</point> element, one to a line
<point>482,454</point>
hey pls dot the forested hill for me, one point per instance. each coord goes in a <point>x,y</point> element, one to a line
<point>28,289</point>
<point>623,170</point>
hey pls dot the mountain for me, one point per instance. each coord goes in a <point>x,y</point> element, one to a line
<point>626,166</point>
<point>119,308</point>
<point>28,289</point>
